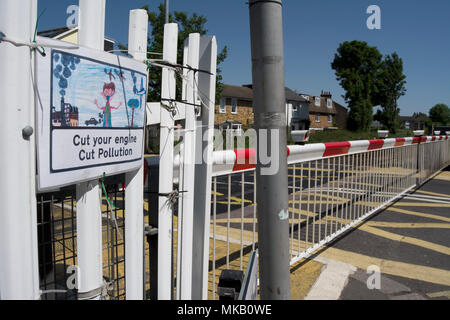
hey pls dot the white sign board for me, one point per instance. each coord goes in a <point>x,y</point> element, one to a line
<point>90,114</point>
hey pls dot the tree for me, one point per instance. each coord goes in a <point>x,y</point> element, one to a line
<point>357,66</point>
<point>187,24</point>
<point>390,86</point>
<point>440,114</point>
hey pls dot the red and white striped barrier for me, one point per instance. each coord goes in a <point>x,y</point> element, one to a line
<point>230,161</point>
<point>240,160</point>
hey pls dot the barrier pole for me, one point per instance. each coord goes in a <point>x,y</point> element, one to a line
<point>19,271</point>
<point>266,32</point>
<point>134,190</point>
<point>89,214</point>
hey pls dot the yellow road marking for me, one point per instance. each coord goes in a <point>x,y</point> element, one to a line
<point>250,220</point>
<point>434,194</point>
<point>310,169</point>
<point>425,225</point>
<point>303,212</point>
<point>443,176</point>
<point>303,276</point>
<point>396,268</point>
<point>414,241</point>
<point>324,202</point>
<point>439,294</point>
<point>422,204</point>
<point>302,177</point>
<point>317,195</point>
<point>419,214</point>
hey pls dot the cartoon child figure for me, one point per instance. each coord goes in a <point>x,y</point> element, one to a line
<point>109,90</point>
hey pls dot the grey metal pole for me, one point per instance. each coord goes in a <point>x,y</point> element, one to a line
<point>269,105</point>
<point>167,11</point>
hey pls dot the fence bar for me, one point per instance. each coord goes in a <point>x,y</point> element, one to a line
<point>89,220</point>
<point>187,181</point>
<point>204,151</point>
<point>165,227</point>
<point>134,191</point>
<point>19,276</point>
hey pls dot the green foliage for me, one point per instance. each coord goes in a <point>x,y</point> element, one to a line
<point>440,114</point>
<point>390,86</point>
<point>186,25</point>
<point>357,65</point>
<point>369,80</point>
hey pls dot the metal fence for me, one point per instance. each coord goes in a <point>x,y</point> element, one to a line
<point>57,243</point>
<point>332,187</point>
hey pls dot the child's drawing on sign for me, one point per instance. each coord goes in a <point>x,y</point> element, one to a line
<point>109,90</point>
<point>94,94</point>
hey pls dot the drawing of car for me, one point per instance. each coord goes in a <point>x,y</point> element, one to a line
<point>92,121</point>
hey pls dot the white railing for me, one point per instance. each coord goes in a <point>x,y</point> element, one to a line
<point>332,187</point>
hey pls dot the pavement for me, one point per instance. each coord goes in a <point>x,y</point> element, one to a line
<point>401,253</point>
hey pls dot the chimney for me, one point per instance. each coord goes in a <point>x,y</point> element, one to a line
<point>326,94</point>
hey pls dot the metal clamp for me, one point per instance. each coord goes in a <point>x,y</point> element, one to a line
<point>92,294</point>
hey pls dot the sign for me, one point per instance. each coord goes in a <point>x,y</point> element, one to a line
<point>90,114</point>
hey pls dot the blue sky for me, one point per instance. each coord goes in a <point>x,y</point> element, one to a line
<point>417,30</point>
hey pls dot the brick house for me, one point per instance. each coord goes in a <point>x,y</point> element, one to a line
<point>413,123</point>
<point>325,113</point>
<point>235,109</point>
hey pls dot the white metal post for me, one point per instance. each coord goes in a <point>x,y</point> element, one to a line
<point>188,179</point>
<point>166,167</point>
<point>204,151</point>
<point>19,272</point>
<point>91,22</point>
<point>134,191</point>
<point>89,219</point>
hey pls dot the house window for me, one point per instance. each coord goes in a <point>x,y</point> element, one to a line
<point>329,103</point>
<point>223,107</point>
<point>237,127</point>
<point>317,101</point>
<point>317,117</point>
<point>330,118</point>
<point>234,106</point>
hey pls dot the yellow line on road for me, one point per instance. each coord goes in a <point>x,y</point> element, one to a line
<point>382,224</point>
<point>434,193</point>
<point>250,220</point>
<point>422,204</point>
<point>396,268</point>
<point>419,214</point>
<point>443,176</point>
<point>414,241</point>
<point>439,294</point>
<point>302,177</point>
<point>324,202</point>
